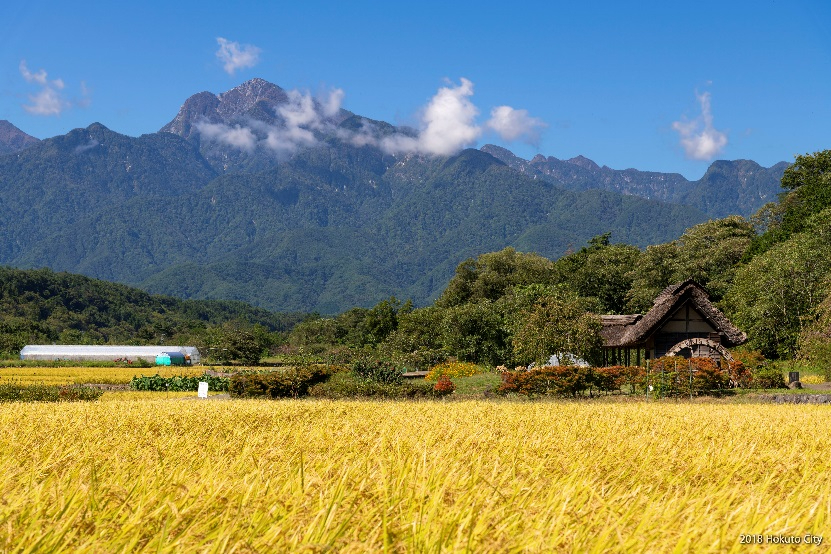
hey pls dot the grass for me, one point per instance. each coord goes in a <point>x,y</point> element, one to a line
<point>158,474</point>
<point>805,369</point>
<point>475,385</point>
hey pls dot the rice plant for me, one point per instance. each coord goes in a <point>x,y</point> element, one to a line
<point>154,473</point>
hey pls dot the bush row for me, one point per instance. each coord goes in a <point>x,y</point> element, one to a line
<point>13,392</point>
<point>668,376</point>
<point>350,385</point>
<point>178,383</point>
<point>291,382</point>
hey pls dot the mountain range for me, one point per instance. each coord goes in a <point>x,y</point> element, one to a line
<point>293,204</point>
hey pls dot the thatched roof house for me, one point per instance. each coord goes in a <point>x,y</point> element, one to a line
<point>682,321</point>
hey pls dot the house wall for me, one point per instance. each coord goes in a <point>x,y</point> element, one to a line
<point>685,323</point>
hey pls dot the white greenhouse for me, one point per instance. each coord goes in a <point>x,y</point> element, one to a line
<point>104,353</point>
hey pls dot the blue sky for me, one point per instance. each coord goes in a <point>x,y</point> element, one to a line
<point>653,85</point>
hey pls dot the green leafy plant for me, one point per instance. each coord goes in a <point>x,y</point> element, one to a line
<point>379,371</point>
<point>178,383</point>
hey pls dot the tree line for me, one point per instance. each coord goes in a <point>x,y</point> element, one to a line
<point>769,273</point>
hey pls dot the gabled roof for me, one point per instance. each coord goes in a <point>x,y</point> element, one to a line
<point>629,330</point>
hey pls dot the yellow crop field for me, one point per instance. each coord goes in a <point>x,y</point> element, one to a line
<point>174,475</point>
<point>78,375</point>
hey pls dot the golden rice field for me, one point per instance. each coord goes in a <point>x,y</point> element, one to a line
<point>73,375</point>
<point>142,473</point>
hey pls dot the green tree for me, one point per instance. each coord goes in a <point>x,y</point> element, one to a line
<point>807,183</point>
<point>601,270</point>
<point>775,296</point>
<point>381,320</point>
<point>554,324</point>
<point>477,332</point>
<point>815,338</point>
<point>709,252</point>
<point>238,341</point>
<point>656,271</point>
<point>419,337</point>
<point>491,275</point>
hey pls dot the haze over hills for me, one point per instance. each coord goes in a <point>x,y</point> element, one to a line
<point>292,203</point>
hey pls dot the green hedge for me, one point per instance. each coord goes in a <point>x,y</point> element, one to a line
<point>290,382</point>
<point>349,385</point>
<point>178,383</point>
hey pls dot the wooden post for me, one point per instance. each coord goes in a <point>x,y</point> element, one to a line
<point>689,363</point>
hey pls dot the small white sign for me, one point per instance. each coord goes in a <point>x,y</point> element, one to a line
<point>203,389</point>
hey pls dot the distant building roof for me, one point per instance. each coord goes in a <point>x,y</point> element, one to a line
<point>629,330</point>
<point>103,352</point>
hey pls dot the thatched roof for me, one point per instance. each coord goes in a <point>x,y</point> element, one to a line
<point>629,330</point>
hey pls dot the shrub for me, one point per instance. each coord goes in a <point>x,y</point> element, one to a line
<point>379,371</point>
<point>768,377</point>
<point>739,373</point>
<point>549,380</point>
<point>178,383</point>
<point>670,376</point>
<point>708,377</point>
<point>453,369</point>
<point>812,379</point>
<point>633,376</point>
<point>444,385</point>
<point>13,392</point>
<point>609,379</point>
<point>348,385</point>
<point>291,382</point>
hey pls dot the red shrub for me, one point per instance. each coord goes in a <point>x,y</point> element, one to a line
<point>609,379</point>
<point>444,386</point>
<point>556,380</point>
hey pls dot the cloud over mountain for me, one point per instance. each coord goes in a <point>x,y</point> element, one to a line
<point>298,116</point>
<point>448,124</point>
<point>49,100</point>
<point>260,116</point>
<point>511,124</point>
<point>700,140</point>
<point>235,56</point>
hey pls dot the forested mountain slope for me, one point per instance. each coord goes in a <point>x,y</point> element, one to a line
<point>213,206</point>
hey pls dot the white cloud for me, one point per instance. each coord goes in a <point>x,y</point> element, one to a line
<point>39,77</point>
<point>450,121</point>
<point>700,140</point>
<point>47,101</point>
<point>236,136</point>
<point>299,117</point>
<point>448,124</point>
<point>331,104</point>
<point>234,55</point>
<point>513,124</point>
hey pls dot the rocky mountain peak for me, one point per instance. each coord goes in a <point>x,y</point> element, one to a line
<point>242,99</point>
<point>584,162</point>
<point>13,139</point>
<point>254,98</point>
